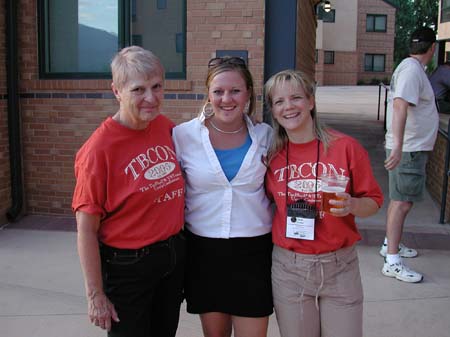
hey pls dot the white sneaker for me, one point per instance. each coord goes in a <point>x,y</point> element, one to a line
<point>401,272</point>
<point>403,251</point>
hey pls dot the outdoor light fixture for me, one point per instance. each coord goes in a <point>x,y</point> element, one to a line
<point>327,6</point>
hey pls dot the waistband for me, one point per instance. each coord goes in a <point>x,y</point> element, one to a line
<point>112,251</point>
<point>325,257</point>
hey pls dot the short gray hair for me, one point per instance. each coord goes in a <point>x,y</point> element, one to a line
<point>134,61</point>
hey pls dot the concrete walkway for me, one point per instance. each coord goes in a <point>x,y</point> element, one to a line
<point>41,287</point>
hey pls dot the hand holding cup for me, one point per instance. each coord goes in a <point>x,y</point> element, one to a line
<point>342,205</point>
<point>335,200</point>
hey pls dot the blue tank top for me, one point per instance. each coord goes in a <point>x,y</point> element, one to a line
<point>231,159</point>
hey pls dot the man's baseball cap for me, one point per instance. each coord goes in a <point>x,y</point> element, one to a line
<point>424,34</point>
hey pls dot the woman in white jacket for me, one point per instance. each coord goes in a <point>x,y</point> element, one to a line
<point>228,217</point>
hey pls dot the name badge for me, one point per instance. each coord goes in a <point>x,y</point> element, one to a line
<point>300,221</point>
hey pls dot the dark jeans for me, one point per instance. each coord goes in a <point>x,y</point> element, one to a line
<point>146,287</point>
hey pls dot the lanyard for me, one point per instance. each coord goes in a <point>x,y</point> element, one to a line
<point>288,173</point>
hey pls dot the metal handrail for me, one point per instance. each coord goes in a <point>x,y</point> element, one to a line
<point>386,89</point>
<point>445,175</point>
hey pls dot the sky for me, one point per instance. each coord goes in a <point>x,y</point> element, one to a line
<point>100,14</point>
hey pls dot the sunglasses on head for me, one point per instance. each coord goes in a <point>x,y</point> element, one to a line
<point>214,62</point>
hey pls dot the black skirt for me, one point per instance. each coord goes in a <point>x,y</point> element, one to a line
<point>231,276</point>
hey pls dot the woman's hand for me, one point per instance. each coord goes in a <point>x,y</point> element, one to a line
<point>343,204</point>
<point>101,310</point>
<point>346,204</point>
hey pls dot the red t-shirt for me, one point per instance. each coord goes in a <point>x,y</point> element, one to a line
<point>132,179</point>
<point>345,156</point>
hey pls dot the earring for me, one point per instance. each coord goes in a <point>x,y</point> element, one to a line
<point>208,110</point>
<point>247,107</point>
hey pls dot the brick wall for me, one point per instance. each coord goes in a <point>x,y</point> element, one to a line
<point>375,42</point>
<point>342,72</point>
<point>5,179</point>
<point>306,37</point>
<point>59,115</point>
<point>319,66</point>
<point>435,173</point>
<point>348,68</point>
<point>223,25</point>
<point>53,130</point>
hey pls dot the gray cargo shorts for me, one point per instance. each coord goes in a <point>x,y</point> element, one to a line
<point>407,180</point>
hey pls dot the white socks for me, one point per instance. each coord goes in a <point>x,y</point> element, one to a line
<point>393,258</point>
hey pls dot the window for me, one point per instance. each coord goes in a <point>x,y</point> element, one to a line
<point>325,16</point>
<point>161,4</point>
<point>376,23</point>
<point>79,38</point>
<point>316,56</point>
<point>162,25</point>
<point>328,57</point>
<point>374,62</point>
<point>445,11</point>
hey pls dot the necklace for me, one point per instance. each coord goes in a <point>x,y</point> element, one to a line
<point>226,132</point>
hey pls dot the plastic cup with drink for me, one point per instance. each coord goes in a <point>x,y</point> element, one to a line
<point>332,183</point>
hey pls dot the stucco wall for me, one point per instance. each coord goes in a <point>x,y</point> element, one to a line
<point>348,38</point>
<point>443,27</point>
<point>341,35</point>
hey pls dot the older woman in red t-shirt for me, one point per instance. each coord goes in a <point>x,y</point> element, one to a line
<point>129,205</point>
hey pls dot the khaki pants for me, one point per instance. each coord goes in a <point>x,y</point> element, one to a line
<point>317,295</point>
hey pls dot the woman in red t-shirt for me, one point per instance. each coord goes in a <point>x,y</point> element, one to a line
<point>315,273</point>
<point>129,205</point>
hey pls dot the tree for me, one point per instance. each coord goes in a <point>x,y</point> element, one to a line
<point>427,12</point>
<point>412,14</point>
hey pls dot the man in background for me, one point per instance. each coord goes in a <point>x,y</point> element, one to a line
<point>412,125</point>
<point>440,81</point>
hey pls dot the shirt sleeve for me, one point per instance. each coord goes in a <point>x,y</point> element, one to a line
<point>90,190</point>
<point>269,136</point>
<point>176,142</point>
<point>408,85</point>
<point>267,189</point>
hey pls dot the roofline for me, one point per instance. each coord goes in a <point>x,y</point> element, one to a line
<point>390,2</point>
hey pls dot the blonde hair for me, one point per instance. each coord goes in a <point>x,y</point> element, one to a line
<point>299,80</point>
<point>134,61</point>
<point>225,66</point>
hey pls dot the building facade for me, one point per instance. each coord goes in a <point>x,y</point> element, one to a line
<point>355,42</point>
<point>444,31</point>
<point>55,85</point>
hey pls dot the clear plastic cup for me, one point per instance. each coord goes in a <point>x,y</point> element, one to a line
<point>331,184</point>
